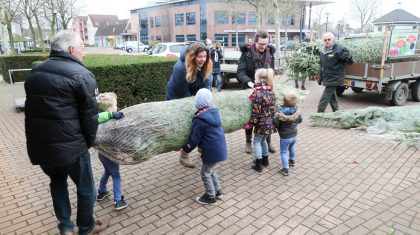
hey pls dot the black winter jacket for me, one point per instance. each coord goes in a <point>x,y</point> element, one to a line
<point>332,65</point>
<point>246,67</point>
<point>61,113</point>
<point>287,124</point>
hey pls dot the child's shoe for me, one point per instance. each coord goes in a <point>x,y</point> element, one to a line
<point>264,161</point>
<point>219,194</point>
<point>291,163</point>
<point>284,171</point>
<point>206,200</point>
<point>256,165</point>
<point>121,204</point>
<point>102,196</point>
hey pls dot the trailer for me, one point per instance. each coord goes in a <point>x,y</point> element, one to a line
<point>394,79</point>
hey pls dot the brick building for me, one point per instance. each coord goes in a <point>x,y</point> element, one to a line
<point>190,20</point>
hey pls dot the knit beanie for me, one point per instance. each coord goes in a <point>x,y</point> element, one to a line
<point>203,98</point>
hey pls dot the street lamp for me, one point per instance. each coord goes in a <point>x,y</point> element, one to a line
<point>338,31</point>
<point>326,24</point>
<point>55,20</point>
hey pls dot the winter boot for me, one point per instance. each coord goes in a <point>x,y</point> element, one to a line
<point>248,144</point>
<point>184,159</point>
<point>257,165</point>
<point>264,161</point>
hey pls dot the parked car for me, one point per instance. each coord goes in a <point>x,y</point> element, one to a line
<point>167,49</point>
<point>135,46</point>
<point>120,46</point>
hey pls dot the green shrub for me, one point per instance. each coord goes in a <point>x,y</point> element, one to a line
<point>135,79</point>
<point>20,61</point>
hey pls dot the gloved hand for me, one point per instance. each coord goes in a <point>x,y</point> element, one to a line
<point>117,115</point>
<point>248,126</point>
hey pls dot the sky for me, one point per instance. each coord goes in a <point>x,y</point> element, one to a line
<point>337,10</point>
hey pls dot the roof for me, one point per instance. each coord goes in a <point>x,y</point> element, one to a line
<point>115,29</point>
<point>397,16</point>
<point>99,20</point>
<point>82,18</point>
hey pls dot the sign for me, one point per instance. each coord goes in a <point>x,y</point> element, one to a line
<point>403,40</point>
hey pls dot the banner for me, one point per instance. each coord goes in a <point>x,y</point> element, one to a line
<point>403,40</point>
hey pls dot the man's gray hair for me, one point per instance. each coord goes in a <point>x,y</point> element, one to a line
<point>64,39</point>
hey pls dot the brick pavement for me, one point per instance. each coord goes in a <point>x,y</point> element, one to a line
<point>344,182</point>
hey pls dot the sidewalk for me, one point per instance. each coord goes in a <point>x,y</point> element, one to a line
<point>344,182</point>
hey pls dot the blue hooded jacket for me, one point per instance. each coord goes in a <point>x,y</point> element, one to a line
<point>208,134</point>
<point>178,86</point>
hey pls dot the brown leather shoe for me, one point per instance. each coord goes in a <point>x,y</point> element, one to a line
<point>100,225</point>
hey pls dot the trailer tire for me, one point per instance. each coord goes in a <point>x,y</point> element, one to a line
<point>340,90</point>
<point>415,91</point>
<point>357,89</point>
<point>224,81</point>
<point>400,95</point>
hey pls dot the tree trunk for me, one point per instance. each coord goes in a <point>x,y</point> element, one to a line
<point>41,37</point>
<point>9,31</point>
<point>31,27</point>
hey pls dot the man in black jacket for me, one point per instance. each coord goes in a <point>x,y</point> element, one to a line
<point>333,60</point>
<point>60,125</point>
<point>260,54</point>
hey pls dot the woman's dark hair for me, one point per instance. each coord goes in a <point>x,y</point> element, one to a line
<point>260,34</point>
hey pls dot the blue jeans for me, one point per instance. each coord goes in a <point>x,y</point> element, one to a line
<point>260,146</point>
<point>218,82</point>
<point>111,169</point>
<point>287,147</point>
<point>211,81</point>
<point>81,174</point>
<point>210,179</point>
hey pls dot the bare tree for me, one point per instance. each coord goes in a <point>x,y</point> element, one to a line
<point>10,11</point>
<point>25,9</point>
<point>260,6</point>
<point>364,11</point>
<point>49,8</point>
<point>67,10</point>
<point>167,22</point>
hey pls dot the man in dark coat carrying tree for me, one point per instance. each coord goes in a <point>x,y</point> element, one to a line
<point>61,121</point>
<point>333,60</point>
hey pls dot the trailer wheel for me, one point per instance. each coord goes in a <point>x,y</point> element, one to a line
<point>400,95</point>
<point>224,80</point>
<point>415,91</point>
<point>340,90</point>
<point>357,89</point>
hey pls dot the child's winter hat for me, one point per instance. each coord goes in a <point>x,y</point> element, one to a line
<point>203,98</point>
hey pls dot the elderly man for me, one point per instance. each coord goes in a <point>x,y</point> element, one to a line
<point>333,59</point>
<point>257,55</point>
<point>61,120</point>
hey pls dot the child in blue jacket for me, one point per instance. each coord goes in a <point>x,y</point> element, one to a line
<point>208,134</point>
<point>107,103</point>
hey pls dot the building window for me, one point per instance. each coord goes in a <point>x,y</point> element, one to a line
<point>191,37</point>
<point>179,38</point>
<point>380,28</point>
<point>179,19</point>
<point>165,21</point>
<point>221,17</point>
<point>252,18</point>
<point>157,21</point>
<point>222,38</point>
<point>241,39</point>
<point>152,24</point>
<point>190,18</point>
<point>143,23</point>
<point>143,38</point>
<point>289,20</point>
<point>238,18</point>
<point>158,38</point>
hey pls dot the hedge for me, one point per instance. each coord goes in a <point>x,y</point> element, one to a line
<point>20,61</point>
<point>135,79</point>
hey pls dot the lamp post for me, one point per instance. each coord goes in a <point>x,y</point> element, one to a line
<point>326,24</point>
<point>338,32</point>
<point>55,20</point>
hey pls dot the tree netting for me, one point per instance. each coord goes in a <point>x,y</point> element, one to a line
<point>396,123</point>
<point>149,129</point>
